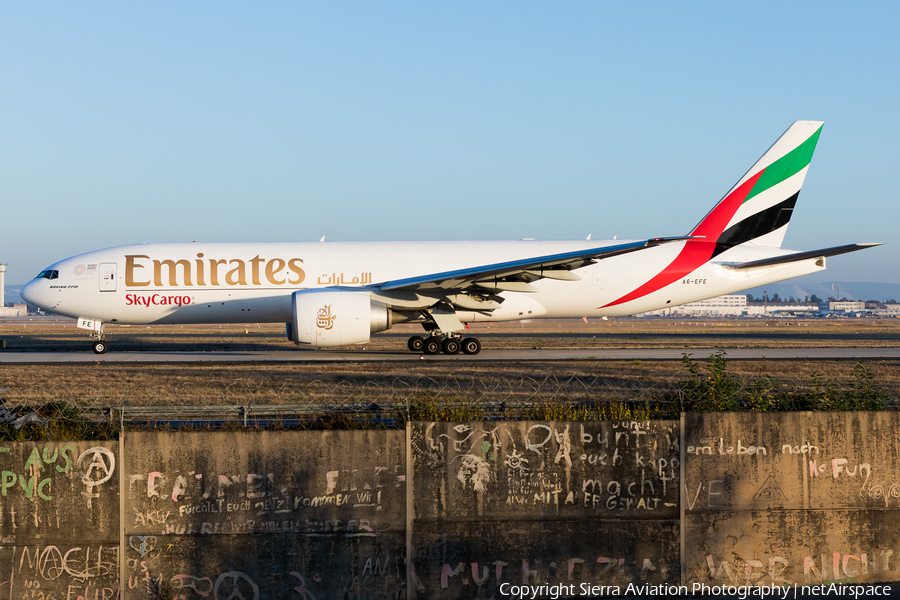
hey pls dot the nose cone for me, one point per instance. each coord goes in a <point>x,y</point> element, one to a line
<point>30,293</point>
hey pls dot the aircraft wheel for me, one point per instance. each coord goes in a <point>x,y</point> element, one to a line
<point>415,343</point>
<point>431,346</point>
<point>471,346</point>
<point>100,347</point>
<point>451,346</point>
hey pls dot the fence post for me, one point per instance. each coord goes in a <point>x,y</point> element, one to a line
<point>409,509</point>
<point>681,496</point>
<point>122,494</point>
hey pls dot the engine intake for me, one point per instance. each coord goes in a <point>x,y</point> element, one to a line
<point>330,317</point>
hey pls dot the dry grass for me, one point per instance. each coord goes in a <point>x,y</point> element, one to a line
<point>553,333</point>
<point>105,384</point>
<point>108,384</point>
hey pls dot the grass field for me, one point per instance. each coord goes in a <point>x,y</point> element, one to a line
<point>61,335</point>
<point>104,384</point>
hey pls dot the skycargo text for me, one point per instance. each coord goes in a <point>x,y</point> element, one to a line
<point>156,300</point>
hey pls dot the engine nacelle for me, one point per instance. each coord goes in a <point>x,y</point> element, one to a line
<point>331,317</point>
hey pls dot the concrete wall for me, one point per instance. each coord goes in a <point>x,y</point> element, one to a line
<point>792,497</point>
<point>270,514</point>
<point>543,502</point>
<point>59,520</point>
<point>733,499</point>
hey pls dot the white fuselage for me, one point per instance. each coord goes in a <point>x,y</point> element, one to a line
<point>253,282</point>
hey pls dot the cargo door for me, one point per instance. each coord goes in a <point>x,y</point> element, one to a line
<point>107,277</point>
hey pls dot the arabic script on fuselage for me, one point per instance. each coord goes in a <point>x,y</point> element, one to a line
<point>342,279</point>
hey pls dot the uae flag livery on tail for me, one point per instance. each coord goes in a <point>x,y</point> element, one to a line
<point>755,211</point>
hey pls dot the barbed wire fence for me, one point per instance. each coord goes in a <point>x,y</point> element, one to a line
<point>319,400</point>
<point>263,401</point>
<point>323,391</point>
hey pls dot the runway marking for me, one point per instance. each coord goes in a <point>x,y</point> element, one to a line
<point>486,355</point>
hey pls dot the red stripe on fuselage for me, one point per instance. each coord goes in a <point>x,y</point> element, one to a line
<point>695,252</point>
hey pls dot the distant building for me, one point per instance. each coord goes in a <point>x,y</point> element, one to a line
<point>730,305</point>
<point>844,306</point>
<point>734,305</point>
<point>14,310</point>
<point>889,310</point>
<point>758,309</point>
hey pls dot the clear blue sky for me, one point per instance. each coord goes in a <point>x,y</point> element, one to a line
<point>128,122</point>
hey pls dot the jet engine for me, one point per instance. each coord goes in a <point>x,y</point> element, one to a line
<point>331,317</point>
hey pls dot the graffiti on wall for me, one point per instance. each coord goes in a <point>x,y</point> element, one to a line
<point>59,520</point>
<point>566,467</point>
<point>551,500</point>
<point>764,498</point>
<point>320,513</point>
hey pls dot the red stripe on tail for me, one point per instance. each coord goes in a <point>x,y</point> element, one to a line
<point>695,252</point>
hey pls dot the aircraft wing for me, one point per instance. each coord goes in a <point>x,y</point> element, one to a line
<point>798,256</point>
<point>518,274</point>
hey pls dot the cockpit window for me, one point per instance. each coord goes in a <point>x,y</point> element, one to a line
<point>48,274</point>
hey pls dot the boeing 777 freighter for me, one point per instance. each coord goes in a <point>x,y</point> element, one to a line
<point>339,293</point>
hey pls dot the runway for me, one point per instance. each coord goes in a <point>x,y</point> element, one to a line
<point>486,355</point>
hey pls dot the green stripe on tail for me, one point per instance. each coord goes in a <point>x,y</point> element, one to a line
<point>790,164</point>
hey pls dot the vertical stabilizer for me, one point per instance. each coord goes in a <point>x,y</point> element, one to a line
<point>757,209</point>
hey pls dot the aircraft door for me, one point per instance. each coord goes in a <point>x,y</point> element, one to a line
<point>107,277</point>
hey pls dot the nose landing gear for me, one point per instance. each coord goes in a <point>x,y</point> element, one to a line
<point>95,326</point>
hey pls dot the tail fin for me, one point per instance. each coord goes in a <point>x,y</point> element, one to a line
<point>757,209</point>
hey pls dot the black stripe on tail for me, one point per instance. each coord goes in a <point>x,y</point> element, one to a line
<point>757,225</point>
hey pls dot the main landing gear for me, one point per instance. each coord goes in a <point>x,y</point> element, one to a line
<point>448,344</point>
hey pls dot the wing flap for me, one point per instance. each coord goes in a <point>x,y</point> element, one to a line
<point>524,270</point>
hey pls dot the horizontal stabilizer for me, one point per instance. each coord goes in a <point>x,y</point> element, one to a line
<point>798,256</point>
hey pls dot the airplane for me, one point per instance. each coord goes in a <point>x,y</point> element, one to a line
<point>340,293</point>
